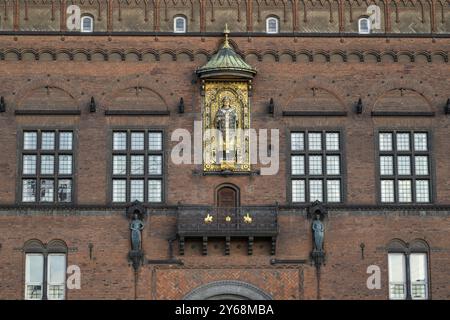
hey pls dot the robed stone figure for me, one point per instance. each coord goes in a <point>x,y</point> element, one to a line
<point>226,123</point>
<point>318,233</point>
<point>136,227</point>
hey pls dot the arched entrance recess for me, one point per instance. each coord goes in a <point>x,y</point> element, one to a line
<point>227,290</point>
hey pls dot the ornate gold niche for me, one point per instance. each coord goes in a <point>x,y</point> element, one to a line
<point>237,93</point>
<point>226,80</point>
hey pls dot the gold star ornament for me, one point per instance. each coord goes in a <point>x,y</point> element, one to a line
<point>248,218</point>
<point>208,218</point>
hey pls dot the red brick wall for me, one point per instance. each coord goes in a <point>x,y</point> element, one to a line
<point>108,274</point>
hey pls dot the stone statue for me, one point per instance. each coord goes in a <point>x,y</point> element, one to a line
<point>226,123</point>
<point>136,227</point>
<point>318,232</point>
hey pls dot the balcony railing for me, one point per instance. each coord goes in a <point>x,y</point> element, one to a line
<point>239,221</point>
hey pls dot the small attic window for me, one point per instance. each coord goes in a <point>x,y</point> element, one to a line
<point>364,26</point>
<point>272,25</point>
<point>87,24</point>
<point>179,25</point>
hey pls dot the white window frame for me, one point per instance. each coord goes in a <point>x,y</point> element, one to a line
<point>369,26</point>
<point>277,25</point>
<point>82,29</point>
<point>407,281</point>
<point>27,276</point>
<point>175,19</point>
<point>49,283</point>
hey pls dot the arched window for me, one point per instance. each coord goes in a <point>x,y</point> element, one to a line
<point>272,25</point>
<point>179,24</point>
<point>364,26</point>
<point>408,270</point>
<point>45,270</point>
<point>87,24</point>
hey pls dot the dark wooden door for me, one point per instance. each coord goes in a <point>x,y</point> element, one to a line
<point>227,198</point>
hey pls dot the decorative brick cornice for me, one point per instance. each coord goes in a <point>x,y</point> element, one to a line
<point>39,54</point>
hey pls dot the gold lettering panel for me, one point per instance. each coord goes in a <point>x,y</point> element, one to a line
<point>226,124</point>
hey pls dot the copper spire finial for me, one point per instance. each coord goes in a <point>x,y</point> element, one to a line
<point>226,32</point>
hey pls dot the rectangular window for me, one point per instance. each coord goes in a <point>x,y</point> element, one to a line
<point>56,276</point>
<point>137,166</point>
<point>397,276</point>
<point>316,172</point>
<point>404,164</point>
<point>34,276</point>
<point>402,284</point>
<point>47,166</point>
<point>55,271</point>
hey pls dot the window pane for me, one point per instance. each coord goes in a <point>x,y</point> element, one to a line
<point>387,191</point>
<point>421,165</point>
<point>30,140</point>
<point>137,141</point>
<point>119,164</point>
<point>65,190</point>
<point>119,190</point>
<point>298,190</point>
<point>333,190</point>
<point>120,141</point>
<point>418,275</point>
<point>34,274</point>
<point>397,276</point>
<point>404,191</point>
<point>65,164</point>
<point>403,141</point>
<point>385,141</point>
<point>386,165</point>
<point>180,24</point>
<point>87,24</point>
<point>29,164</point>
<point>155,141</point>
<point>315,190</point>
<point>65,141</point>
<point>155,164</point>
<point>420,142</point>
<point>34,268</point>
<point>333,165</point>
<point>47,164</point>
<point>29,190</point>
<point>297,141</point>
<point>315,165</point>
<point>47,190</point>
<point>154,191</point>
<point>48,141</point>
<point>422,191</point>
<point>56,276</point>
<point>404,165</point>
<point>315,141</point>
<point>298,165</point>
<point>137,190</point>
<point>137,165</point>
<point>332,141</point>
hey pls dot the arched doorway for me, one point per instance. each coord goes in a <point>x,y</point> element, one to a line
<point>227,196</point>
<point>227,290</point>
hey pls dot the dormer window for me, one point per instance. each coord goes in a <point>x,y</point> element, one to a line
<point>272,25</point>
<point>364,26</point>
<point>87,24</point>
<point>179,25</point>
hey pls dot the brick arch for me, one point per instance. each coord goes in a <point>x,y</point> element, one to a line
<point>65,92</point>
<point>378,90</point>
<point>304,98</point>
<point>227,289</point>
<point>150,95</point>
<point>402,99</point>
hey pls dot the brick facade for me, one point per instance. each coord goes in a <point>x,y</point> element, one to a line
<point>152,72</point>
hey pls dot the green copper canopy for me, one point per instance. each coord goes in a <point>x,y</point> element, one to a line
<point>226,63</point>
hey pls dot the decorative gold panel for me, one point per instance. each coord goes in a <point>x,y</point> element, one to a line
<point>226,120</point>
